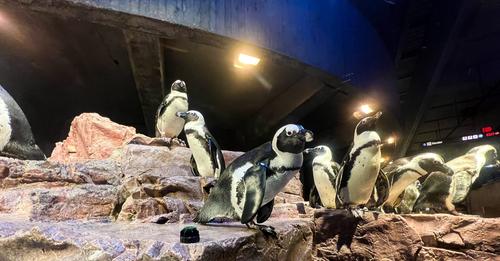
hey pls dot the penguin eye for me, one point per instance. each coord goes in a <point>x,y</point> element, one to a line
<point>289,133</point>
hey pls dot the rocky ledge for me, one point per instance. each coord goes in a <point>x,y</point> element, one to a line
<point>105,189</point>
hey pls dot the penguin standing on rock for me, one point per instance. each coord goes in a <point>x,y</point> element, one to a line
<point>246,189</point>
<point>168,125</point>
<point>403,176</point>
<point>206,158</point>
<point>436,195</point>
<point>325,173</point>
<point>16,138</point>
<point>359,171</point>
<point>408,198</point>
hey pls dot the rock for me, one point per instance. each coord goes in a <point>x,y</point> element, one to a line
<point>379,237</point>
<point>25,240</point>
<point>91,136</point>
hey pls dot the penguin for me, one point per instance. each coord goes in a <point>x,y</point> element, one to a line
<point>436,195</point>
<point>361,167</point>
<point>403,176</point>
<point>16,138</point>
<point>247,187</point>
<point>467,168</point>
<point>206,158</point>
<point>408,198</point>
<point>168,125</point>
<point>325,173</point>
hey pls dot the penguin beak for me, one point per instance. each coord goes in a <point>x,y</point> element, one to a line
<point>308,151</point>
<point>181,114</point>
<point>445,169</point>
<point>309,135</point>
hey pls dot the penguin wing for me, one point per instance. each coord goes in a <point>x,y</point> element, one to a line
<point>306,176</point>
<point>215,151</point>
<point>383,188</point>
<point>314,198</point>
<point>161,109</point>
<point>265,212</point>
<point>254,183</point>
<point>194,168</point>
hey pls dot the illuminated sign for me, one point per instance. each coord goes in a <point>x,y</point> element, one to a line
<point>486,129</point>
<point>491,134</point>
<point>472,137</point>
<point>432,143</point>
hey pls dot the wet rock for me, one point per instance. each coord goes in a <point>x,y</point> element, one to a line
<point>91,136</point>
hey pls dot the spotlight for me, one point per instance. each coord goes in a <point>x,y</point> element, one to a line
<point>390,140</point>
<point>366,109</point>
<point>246,59</point>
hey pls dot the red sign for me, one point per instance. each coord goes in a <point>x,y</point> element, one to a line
<point>487,129</point>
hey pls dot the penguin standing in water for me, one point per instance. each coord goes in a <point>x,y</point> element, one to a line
<point>359,171</point>
<point>403,176</point>
<point>246,189</point>
<point>206,158</point>
<point>325,173</point>
<point>436,195</point>
<point>467,168</point>
<point>168,125</point>
<point>16,138</point>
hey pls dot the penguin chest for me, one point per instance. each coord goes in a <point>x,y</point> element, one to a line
<point>169,124</point>
<point>201,155</point>
<point>364,175</point>
<point>5,128</point>
<point>238,190</point>
<point>326,189</point>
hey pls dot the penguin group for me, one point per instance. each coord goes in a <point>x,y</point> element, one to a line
<point>245,189</point>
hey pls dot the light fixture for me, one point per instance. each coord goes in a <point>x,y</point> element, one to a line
<point>383,159</point>
<point>366,109</point>
<point>246,59</point>
<point>391,140</point>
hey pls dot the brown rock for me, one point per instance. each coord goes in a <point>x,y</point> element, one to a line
<point>91,136</point>
<point>339,236</point>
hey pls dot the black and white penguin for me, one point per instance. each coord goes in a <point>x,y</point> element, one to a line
<point>325,173</point>
<point>436,195</point>
<point>403,176</point>
<point>360,169</point>
<point>206,158</point>
<point>16,138</point>
<point>408,198</point>
<point>467,168</point>
<point>168,125</point>
<point>246,189</point>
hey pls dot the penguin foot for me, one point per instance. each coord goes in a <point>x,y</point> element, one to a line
<point>178,142</point>
<point>268,231</point>
<point>358,212</point>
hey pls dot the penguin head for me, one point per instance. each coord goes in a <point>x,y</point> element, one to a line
<point>179,86</point>
<point>432,162</point>
<point>320,152</point>
<point>368,124</point>
<point>486,153</point>
<point>291,138</point>
<point>191,116</point>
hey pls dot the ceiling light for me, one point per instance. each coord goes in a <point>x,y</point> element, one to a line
<point>248,59</point>
<point>366,109</point>
<point>391,140</point>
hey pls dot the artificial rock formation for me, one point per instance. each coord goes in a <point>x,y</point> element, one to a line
<point>129,200</point>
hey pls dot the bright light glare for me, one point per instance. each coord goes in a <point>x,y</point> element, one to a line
<point>391,140</point>
<point>366,109</point>
<point>383,159</point>
<point>248,59</point>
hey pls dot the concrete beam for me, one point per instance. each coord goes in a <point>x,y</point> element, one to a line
<point>146,59</point>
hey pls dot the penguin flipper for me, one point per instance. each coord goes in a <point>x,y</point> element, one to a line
<point>215,151</point>
<point>194,168</point>
<point>255,185</point>
<point>265,212</point>
<point>383,188</point>
<point>314,198</point>
<point>161,109</point>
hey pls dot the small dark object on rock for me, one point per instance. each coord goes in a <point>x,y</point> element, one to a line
<point>190,234</point>
<point>161,220</point>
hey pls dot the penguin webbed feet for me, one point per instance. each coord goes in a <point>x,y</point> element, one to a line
<point>358,212</point>
<point>268,231</point>
<point>178,142</point>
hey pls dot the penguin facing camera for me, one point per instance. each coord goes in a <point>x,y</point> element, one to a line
<point>361,167</point>
<point>246,189</point>
<point>324,174</point>
<point>16,138</point>
<point>168,125</point>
